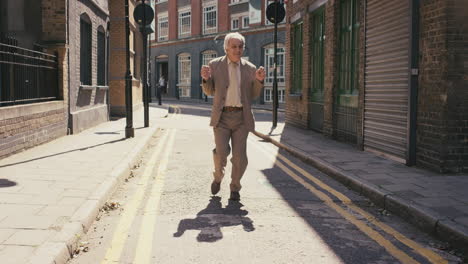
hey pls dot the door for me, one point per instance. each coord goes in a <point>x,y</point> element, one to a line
<point>387,78</point>
<point>317,69</point>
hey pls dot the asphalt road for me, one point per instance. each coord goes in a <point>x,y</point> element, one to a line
<point>289,212</point>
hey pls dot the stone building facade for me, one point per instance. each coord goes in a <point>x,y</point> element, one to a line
<point>387,77</point>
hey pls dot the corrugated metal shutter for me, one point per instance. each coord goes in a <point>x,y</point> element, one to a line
<point>387,77</point>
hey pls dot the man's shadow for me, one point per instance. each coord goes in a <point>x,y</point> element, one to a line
<point>211,219</point>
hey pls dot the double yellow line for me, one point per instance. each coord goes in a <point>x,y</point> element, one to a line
<point>145,241</point>
<point>280,162</point>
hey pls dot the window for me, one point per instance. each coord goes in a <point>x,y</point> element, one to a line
<point>348,50</point>
<point>280,72</point>
<point>234,23</point>
<point>210,24</point>
<point>101,58</point>
<point>270,65</point>
<point>163,27</point>
<point>184,76</point>
<point>85,51</point>
<point>245,22</point>
<point>296,51</point>
<point>184,23</point>
<point>207,56</point>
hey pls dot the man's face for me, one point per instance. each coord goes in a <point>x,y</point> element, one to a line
<point>235,49</point>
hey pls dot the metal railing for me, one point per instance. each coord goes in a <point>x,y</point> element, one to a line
<point>26,76</point>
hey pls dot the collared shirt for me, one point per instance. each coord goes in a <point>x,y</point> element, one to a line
<point>233,96</point>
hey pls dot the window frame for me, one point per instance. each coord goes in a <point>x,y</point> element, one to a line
<point>234,19</point>
<point>101,57</point>
<point>296,52</point>
<point>244,24</point>
<point>86,67</point>
<point>186,33</point>
<point>163,19</point>
<point>205,13</point>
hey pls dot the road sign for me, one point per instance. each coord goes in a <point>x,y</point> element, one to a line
<point>270,12</point>
<point>148,15</point>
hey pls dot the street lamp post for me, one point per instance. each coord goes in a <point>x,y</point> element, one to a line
<point>145,70</point>
<point>144,15</point>
<point>129,131</point>
<point>275,14</point>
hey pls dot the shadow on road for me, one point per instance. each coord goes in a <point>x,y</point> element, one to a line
<point>61,153</point>
<point>211,219</point>
<point>6,183</point>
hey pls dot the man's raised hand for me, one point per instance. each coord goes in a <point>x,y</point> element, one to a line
<point>205,72</point>
<point>260,74</point>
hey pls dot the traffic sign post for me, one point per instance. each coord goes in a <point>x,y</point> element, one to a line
<point>275,14</point>
<point>144,15</point>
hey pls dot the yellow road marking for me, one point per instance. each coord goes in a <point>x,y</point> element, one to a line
<point>392,249</point>
<point>121,232</point>
<point>145,241</point>
<point>430,255</point>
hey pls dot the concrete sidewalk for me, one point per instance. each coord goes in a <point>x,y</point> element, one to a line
<point>50,194</point>
<point>434,202</point>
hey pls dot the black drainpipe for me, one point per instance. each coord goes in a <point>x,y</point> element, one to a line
<point>414,83</point>
<point>67,12</point>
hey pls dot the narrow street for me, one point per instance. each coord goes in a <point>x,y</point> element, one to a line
<point>289,212</point>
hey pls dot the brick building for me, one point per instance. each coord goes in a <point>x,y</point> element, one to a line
<point>118,58</point>
<point>88,31</point>
<point>54,70</point>
<point>388,77</point>
<point>191,33</point>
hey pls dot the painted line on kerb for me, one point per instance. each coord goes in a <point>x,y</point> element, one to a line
<point>145,240</point>
<point>428,254</point>
<point>371,233</point>
<point>119,238</point>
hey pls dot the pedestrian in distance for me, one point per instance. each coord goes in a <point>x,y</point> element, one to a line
<point>233,82</point>
<point>162,84</point>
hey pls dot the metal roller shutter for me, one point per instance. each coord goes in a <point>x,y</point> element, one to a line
<point>387,77</point>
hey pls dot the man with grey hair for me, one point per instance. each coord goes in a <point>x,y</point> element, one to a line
<point>234,83</point>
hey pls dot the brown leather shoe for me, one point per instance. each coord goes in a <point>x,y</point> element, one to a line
<point>215,186</point>
<point>235,196</point>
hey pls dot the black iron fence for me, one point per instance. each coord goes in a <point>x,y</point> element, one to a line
<point>26,76</point>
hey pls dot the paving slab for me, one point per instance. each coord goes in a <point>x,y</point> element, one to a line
<point>50,194</point>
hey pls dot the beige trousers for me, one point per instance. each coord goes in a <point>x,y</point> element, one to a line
<point>230,128</point>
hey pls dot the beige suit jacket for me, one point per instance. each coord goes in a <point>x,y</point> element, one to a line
<point>217,86</point>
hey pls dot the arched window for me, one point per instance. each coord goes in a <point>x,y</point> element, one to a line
<point>85,50</point>
<point>269,56</point>
<point>208,55</point>
<point>101,56</point>
<point>184,74</point>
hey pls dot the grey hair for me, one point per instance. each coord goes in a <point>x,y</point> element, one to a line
<point>234,35</point>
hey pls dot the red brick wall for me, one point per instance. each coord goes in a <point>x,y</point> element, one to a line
<point>296,105</point>
<point>223,16</point>
<point>173,20</point>
<point>442,135</point>
<point>196,17</point>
